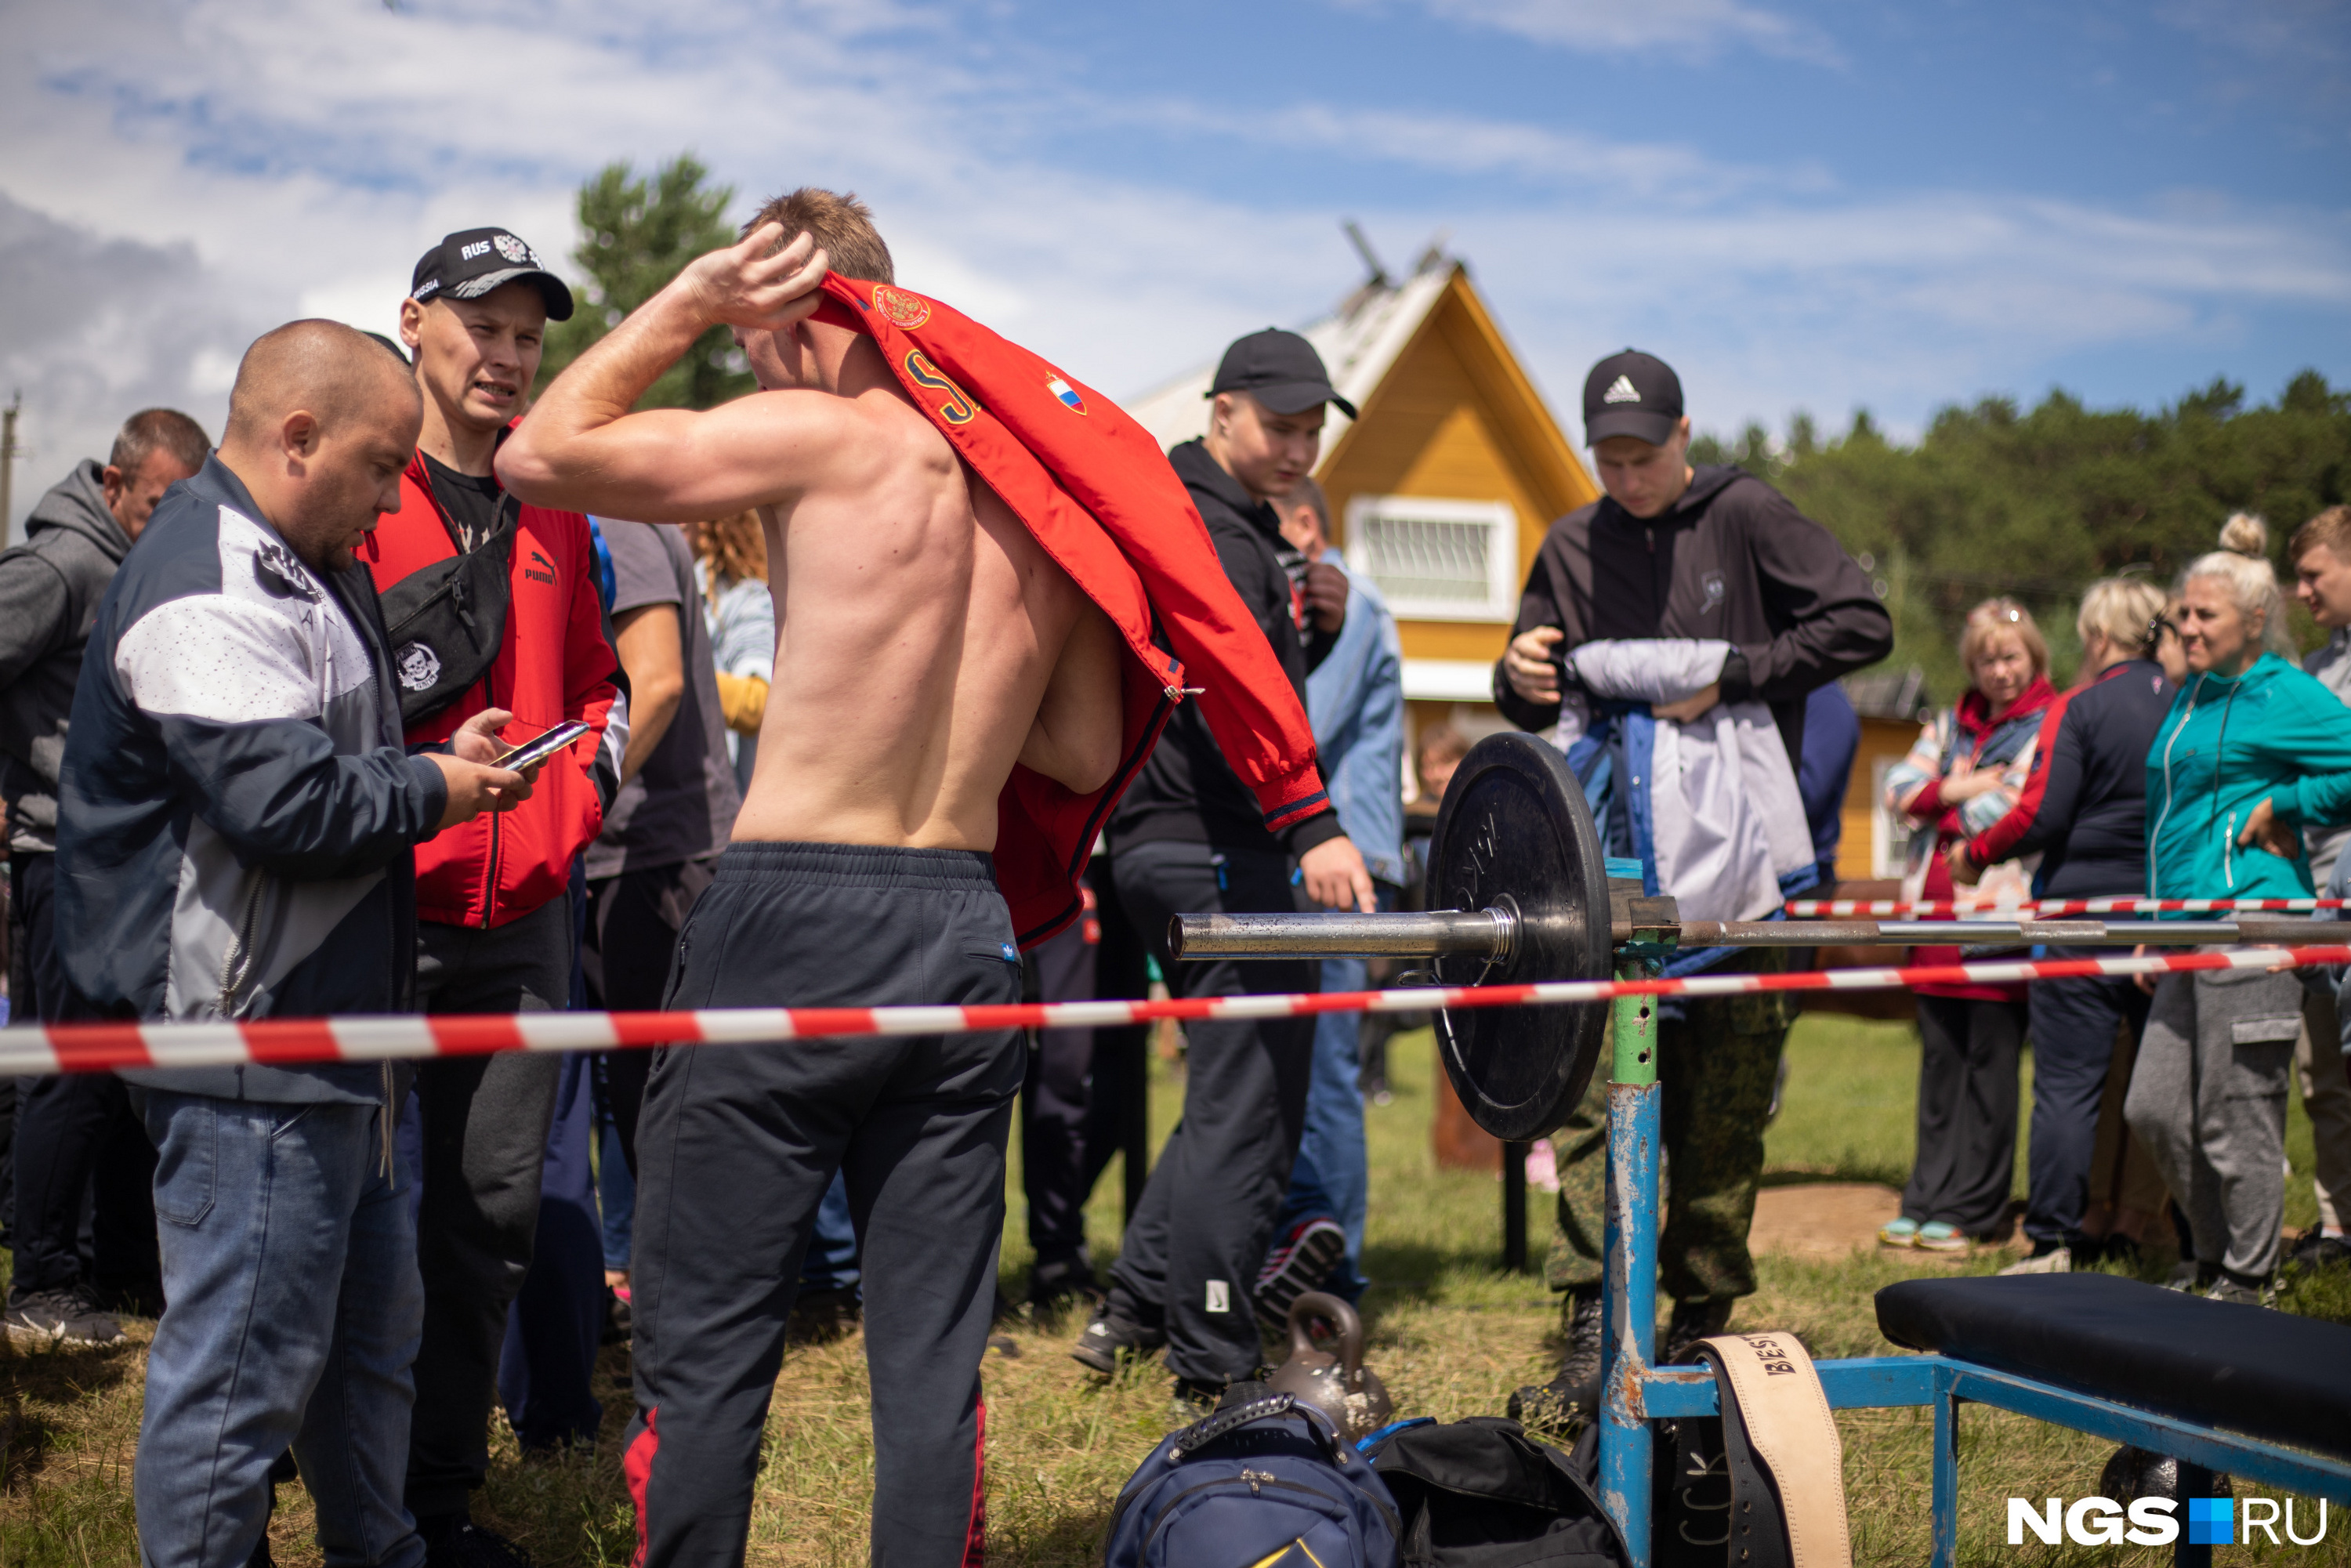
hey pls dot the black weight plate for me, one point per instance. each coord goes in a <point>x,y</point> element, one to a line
<point>1514,830</point>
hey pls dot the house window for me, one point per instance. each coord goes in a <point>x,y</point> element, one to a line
<point>1438,561</point>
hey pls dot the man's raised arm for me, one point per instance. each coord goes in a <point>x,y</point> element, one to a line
<point>579,448</point>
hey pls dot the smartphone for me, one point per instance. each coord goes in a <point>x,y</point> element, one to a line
<point>539,749</point>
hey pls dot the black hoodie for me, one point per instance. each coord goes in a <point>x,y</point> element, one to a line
<point>1731,560</point>
<point>1187,791</point>
<point>49,589</point>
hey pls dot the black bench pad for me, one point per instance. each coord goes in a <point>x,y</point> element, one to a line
<point>2223,1364</point>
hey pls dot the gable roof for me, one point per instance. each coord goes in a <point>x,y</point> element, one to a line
<point>1358,342</point>
<point>1364,340</point>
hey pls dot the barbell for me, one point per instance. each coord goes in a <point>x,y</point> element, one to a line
<point>1519,892</point>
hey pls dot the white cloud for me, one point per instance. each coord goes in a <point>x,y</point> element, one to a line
<point>1611,26</point>
<point>184,174</point>
<point>96,329</point>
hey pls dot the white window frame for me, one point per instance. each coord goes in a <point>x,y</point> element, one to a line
<point>1501,600</point>
<point>1889,830</point>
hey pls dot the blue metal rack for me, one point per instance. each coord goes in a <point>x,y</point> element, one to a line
<point>1634,1392</point>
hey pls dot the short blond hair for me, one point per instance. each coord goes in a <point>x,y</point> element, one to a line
<point>2331,528</point>
<point>2120,610</point>
<point>2002,614</point>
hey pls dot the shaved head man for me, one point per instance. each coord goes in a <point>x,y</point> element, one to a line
<point>237,813</point>
<point>319,425</point>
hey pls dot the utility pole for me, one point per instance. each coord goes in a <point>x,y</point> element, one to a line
<point>8,451</point>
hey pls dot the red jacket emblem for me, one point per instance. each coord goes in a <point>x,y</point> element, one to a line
<point>554,664</point>
<point>1097,492</point>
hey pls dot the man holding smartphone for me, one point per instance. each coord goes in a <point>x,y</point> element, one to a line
<point>489,604</point>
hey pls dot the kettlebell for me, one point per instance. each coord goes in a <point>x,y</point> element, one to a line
<point>1341,1385</point>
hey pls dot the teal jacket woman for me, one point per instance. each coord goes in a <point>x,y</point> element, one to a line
<point>2252,750</point>
<point>2239,760</point>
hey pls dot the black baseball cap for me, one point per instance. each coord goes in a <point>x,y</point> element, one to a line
<point>1278,368</point>
<point>470,262</point>
<point>1633,394</point>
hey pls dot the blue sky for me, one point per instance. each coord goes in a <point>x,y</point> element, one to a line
<point>1820,206</point>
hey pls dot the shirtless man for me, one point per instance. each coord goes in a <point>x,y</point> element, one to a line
<point>925,645</point>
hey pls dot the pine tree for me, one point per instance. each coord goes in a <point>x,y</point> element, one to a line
<point>637,235</point>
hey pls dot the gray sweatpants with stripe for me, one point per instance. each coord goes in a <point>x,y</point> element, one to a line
<point>2208,1099</point>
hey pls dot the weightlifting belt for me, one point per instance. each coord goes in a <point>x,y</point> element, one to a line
<point>1781,1446</point>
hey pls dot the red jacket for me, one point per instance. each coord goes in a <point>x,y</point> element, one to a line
<point>1098,494</point>
<point>553,665</point>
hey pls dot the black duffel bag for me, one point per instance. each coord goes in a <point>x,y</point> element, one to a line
<point>1481,1493</point>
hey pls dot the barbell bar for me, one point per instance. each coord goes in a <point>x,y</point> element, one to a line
<point>1490,933</point>
<point>1519,894</point>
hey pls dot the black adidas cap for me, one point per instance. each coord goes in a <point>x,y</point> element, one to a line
<point>1633,394</point>
<point>1278,368</point>
<point>471,263</point>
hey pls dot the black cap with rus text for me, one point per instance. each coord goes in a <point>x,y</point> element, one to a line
<point>471,263</point>
<point>1633,394</point>
<point>1278,368</point>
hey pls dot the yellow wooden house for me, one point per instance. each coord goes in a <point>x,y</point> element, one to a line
<point>1442,490</point>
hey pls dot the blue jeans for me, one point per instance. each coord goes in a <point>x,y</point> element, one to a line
<point>289,1265</point>
<point>1333,1176</point>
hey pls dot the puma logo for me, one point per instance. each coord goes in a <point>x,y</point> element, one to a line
<point>547,577</point>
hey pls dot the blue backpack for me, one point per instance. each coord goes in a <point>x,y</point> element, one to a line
<point>1261,1484</point>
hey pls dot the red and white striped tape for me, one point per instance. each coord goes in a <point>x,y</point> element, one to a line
<point>103,1047</point>
<point>1930,908</point>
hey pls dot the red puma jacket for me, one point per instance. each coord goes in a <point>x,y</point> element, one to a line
<point>554,664</point>
<point>1098,494</point>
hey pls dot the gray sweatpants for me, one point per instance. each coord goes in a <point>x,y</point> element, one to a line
<point>2208,1099</point>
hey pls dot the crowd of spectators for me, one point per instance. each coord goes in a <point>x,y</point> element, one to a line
<point>290,705</point>
<point>2192,758</point>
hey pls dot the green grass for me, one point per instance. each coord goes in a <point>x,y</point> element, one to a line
<point>1451,1335</point>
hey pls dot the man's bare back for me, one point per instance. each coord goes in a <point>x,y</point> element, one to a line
<point>924,641</point>
<point>924,644</point>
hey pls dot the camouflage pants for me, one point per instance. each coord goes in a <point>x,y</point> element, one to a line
<point>1716,1066</point>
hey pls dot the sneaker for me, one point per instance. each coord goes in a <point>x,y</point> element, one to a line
<point>61,1317</point>
<point>455,1541</point>
<point>2316,1249</point>
<point>1111,1337</point>
<point>1902,1232</point>
<point>2228,1288</point>
<point>1064,1283</point>
<point>2186,1278</point>
<point>1936,1236</point>
<point>1572,1396</point>
<point>1693,1320</point>
<point>2056,1261</point>
<point>1302,1262</point>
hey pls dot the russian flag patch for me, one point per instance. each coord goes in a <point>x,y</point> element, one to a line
<point>1067,394</point>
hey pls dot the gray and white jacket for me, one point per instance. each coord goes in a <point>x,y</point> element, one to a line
<point>49,589</point>
<point>236,808</point>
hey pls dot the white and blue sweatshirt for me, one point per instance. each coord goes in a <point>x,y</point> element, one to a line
<point>236,808</point>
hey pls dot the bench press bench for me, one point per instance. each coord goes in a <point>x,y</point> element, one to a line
<point>2222,1387</point>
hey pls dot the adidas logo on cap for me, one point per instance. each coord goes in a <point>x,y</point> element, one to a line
<point>1621,389</point>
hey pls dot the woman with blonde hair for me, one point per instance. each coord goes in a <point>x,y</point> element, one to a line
<point>1965,772</point>
<point>2083,811</point>
<point>2252,751</point>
